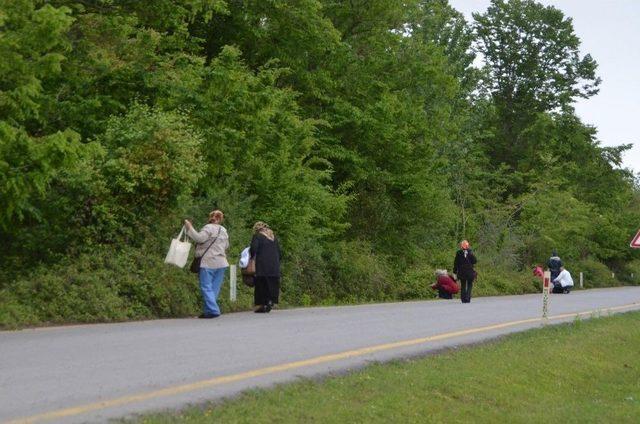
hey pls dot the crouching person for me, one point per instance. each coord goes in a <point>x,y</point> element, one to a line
<point>563,283</point>
<point>445,285</point>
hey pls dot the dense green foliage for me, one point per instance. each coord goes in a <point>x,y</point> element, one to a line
<point>361,131</point>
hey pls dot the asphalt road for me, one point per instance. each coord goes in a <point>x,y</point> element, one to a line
<point>91,373</point>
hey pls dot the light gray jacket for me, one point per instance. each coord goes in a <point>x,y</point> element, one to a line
<point>216,256</point>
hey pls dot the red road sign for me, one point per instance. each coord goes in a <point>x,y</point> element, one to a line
<point>635,243</point>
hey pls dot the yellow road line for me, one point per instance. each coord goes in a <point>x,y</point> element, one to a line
<point>169,391</point>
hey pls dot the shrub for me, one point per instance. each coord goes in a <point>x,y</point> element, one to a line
<point>357,273</point>
<point>152,163</point>
<point>596,274</point>
<point>306,279</point>
<point>497,281</point>
<point>630,273</point>
<point>415,283</point>
<point>102,286</point>
<point>14,313</point>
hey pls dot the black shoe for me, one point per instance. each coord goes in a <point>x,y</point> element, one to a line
<point>208,316</point>
<point>268,307</point>
<point>260,310</point>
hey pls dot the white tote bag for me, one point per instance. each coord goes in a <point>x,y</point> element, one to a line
<point>178,251</point>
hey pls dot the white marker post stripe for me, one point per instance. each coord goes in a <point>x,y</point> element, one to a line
<point>169,391</point>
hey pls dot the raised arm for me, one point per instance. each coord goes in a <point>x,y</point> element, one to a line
<point>198,237</point>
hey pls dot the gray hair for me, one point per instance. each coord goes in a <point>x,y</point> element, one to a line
<point>440,272</point>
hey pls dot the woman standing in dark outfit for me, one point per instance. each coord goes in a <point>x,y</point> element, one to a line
<point>265,249</point>
<point>463,268</point>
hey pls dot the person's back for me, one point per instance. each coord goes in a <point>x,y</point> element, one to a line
<point>448,284</point>
<point>563,283</point>
<point>445,285</point>
<point>267,253</point>
<point>564,278</point>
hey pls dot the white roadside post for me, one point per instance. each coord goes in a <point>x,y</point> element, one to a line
<point>546,286</point>
<point>581,280</point>
<point>232,283</point>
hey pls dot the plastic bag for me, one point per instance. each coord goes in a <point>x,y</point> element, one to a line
<point>244,258</point>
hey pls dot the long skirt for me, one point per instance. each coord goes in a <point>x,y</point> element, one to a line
<point>267,289</point>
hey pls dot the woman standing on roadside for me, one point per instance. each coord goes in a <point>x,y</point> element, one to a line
<point>463,269</point>
<point>265,250</point>
<point>212,244</point>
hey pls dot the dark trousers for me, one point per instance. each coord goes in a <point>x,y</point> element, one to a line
<point>266,290</point>
<point>557,288</point>
<point>444,294</point>
<point>465,289</point>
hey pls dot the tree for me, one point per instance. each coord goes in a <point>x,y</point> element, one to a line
<point>533,65</point>
<point>435,21</point>
<point>32,46</point>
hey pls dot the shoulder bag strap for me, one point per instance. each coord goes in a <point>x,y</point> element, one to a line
<point>211,244</point>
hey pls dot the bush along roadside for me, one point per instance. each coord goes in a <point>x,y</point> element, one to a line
<point>133,283</point>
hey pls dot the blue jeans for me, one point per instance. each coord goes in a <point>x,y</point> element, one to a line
<point>210,284</point>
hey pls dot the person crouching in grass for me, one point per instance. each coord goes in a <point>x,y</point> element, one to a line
<point>445,285</point>
<point>563,283</point>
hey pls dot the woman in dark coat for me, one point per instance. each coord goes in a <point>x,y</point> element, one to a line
<point>265,250</point>
<point>463,269</point>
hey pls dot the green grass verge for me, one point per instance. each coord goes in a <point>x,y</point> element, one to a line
<point>584,372</point>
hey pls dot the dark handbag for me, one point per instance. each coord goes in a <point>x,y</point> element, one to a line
<point>248,280</point>
<point>195,263</point>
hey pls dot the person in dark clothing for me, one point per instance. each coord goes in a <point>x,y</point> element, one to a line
<point>265,250</point>
<point>445,285</point>
<point>554,264</point>
<point>463,269</point>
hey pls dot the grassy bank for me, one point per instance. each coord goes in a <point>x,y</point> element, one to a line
<point>581,372</point>
<point>133,283</point>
